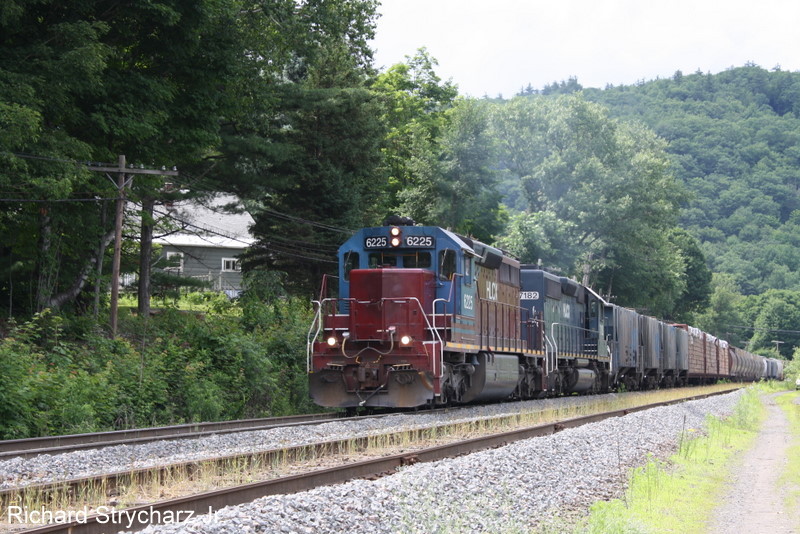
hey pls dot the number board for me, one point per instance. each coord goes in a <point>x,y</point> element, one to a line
<point>529,295</point>
<point>419,241</point>
<point>409,241</point>
<point>376,242</point>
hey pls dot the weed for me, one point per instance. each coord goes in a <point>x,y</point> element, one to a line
<point>680,494</point>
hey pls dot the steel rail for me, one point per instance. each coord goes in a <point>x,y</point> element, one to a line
<point>204,503</point>
<point>110,482</point>
<point>29,447</point>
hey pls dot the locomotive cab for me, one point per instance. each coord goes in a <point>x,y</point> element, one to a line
<point>381,342</point>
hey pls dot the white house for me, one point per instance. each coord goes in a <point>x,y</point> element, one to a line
<point>212,236</point>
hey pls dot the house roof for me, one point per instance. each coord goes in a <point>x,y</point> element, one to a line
<point>218,222</point>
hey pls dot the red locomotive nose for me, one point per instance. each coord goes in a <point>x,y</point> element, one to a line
<point>389,303</point>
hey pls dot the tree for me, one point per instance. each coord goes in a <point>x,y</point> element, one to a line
<point>732,140</point>
<point>775,316</point>
<point>416,102</point>
<point>457,187</point>
<point>302,147</point>
<point>163,83</point>
<point>87,82</point>
<point>697,293</point>
<point>722,318</point>
<point>329,187</point>
<point>609,185</point>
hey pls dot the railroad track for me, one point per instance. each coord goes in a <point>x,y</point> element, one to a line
<point>27,448</point>
<point>139,517</point>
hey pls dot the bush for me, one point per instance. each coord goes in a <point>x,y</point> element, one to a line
<point>244,359</point>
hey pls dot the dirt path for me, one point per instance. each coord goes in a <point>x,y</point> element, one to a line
<point>754,503</point>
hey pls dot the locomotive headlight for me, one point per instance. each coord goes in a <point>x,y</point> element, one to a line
<point>397,236</point>
<point>406,340</point>
<point>332,341</point>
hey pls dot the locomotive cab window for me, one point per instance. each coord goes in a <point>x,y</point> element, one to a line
<point>447,264</point>
<point>350,263</point>
<point>420,260</point>
<point>379,259</point>
<point>467,270</point>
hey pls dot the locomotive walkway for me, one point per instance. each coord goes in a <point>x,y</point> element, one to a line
<point>755,501</point>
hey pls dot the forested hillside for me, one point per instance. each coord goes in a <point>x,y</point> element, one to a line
<point>732,143</point>
<point>735,142</point>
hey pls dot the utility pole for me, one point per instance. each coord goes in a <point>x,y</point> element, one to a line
<point>121,183</point>
<point>777,346</point>
<point>115,265</point>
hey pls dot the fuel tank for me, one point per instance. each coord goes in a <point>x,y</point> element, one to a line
<point>495,378</point>
<point>579,380</point>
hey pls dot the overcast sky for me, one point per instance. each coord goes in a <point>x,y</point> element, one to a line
<point>499,46</point>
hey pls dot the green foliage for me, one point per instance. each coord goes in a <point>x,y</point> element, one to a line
<point>775,316</point>
<point>792,367</point>
<point>696,295</point>
<point>604,186</point>
<point>733,141</point>
<point>457,187</point>
<point>175,367</point>
<point>416,100</point>
<point>325,181</point>
<point>166,285</point>
<point>251,85</point>
<point>723,317</point>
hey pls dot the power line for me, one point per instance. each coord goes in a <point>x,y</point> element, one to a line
<point>54,159</point>
<point>284,216</point>
<point>265,245</point>
<point>41,201</point>
<point>764,329</point>
<point>111,167</point>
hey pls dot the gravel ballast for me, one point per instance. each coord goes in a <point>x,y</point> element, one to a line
<point>509,489</point>
<point>19,472</point>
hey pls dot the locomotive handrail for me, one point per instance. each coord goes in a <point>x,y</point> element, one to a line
<point>504,307</point>
<point>429,327</point>
<point>568,327</point>
<point>324,287</point>
<point>445,301</point>
<point>318,321</point>
<point>553,351</point>
<point>436,326</point>
<point>310,340</point>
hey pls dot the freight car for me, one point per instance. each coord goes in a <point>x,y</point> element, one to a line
<point>424,316</point>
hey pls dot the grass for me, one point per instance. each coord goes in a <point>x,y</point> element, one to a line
<point>790,480</point>
<point>197,302</point>
<point>681,494</point>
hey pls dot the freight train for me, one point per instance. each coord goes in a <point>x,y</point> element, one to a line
<point>426,317</point>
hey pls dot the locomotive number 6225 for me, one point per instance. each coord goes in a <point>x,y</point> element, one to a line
<point>376,242</point>
<point>421,241</point>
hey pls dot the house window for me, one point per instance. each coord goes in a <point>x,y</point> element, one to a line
<point>231,265</point>
<point>174,262</point>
